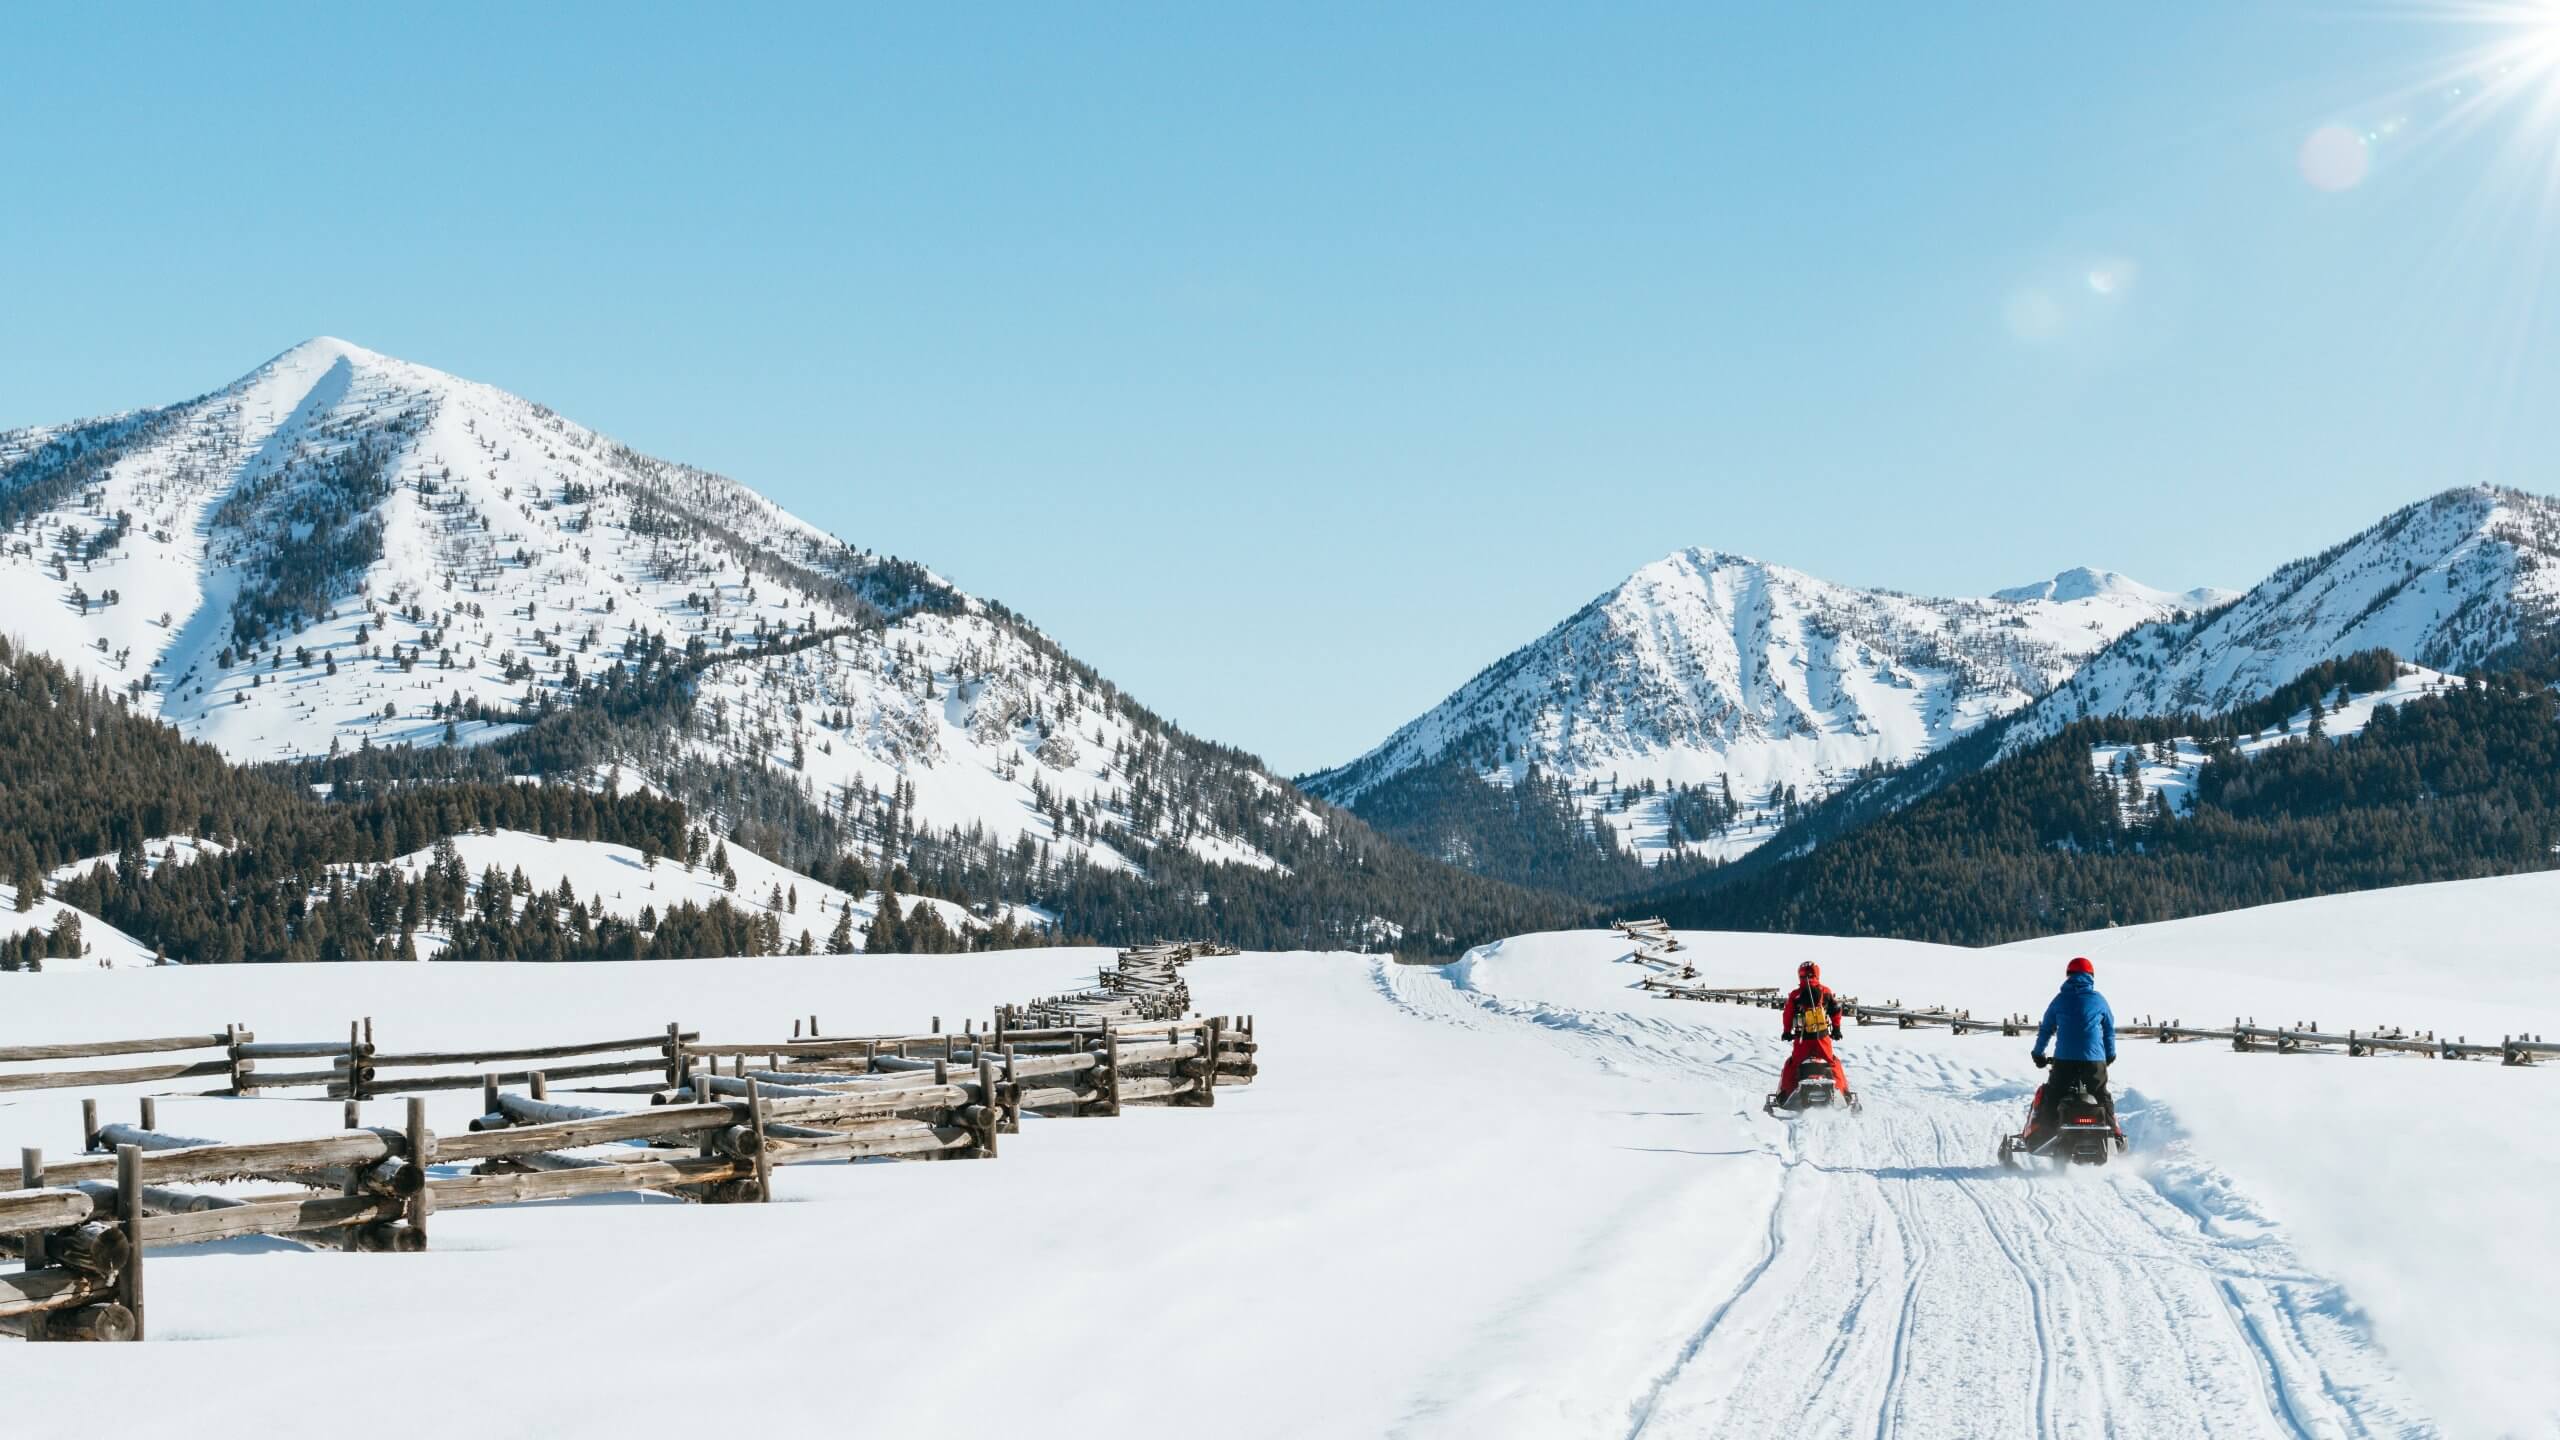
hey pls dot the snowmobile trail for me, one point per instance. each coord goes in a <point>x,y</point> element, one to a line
<point>1902,1284</point>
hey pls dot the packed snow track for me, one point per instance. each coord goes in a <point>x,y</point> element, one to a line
<point>1899,1282</point>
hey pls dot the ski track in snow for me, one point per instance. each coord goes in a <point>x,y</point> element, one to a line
<point>1907,1285</point>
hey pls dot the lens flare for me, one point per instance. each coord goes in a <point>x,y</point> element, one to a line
<point>2477,117</point>
<point>2334,158</point>
<point>2498,83</point>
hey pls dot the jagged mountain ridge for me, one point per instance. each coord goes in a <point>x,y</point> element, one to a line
<point>2450,582</point>
<point>1714,669</point>
<point>344,549</point>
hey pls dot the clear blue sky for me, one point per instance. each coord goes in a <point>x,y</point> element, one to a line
<point>1291,364</point>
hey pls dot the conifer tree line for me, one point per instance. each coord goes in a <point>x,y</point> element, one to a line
<point>300,877</point>
<point>1338,885</point>
<point>2460,784</point>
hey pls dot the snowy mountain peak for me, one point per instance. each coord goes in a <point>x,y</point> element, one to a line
<point>2447,583</point>
<point>342,548</point>
<point>1706,668</point>
<point>2080,583</point>
<point>2084,583</point>
<point>322,351</point>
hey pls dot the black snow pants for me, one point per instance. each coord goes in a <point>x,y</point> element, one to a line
<point>2060,1080</point>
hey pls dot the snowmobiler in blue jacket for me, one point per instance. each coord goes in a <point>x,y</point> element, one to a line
<point>2078,1025</point>
<point>2078,1040</point>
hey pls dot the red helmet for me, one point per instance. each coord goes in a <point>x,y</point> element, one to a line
<point>2081,966</point>
<point>1808,971</point>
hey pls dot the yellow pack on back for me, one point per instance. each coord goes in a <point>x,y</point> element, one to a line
<point>1813,1018</point>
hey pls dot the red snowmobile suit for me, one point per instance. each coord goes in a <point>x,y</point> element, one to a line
<point>1812,1018</point>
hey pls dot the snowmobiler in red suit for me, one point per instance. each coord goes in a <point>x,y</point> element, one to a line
<point>1812,1019</point>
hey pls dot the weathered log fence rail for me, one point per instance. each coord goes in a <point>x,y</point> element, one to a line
<point>2300,1038</point>
<point>228,1067</point>
<point>690,1132</point>
<point>354,1068</point>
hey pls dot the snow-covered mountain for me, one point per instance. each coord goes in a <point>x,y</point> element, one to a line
<point>2084,583</point>
<point>344,549</point>
<point>1712,670</point>
<point>2447,583</point>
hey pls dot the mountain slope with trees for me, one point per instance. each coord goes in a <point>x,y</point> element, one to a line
<point>369,575</point>
<point>2454,784</point>
<point>1702,705</point>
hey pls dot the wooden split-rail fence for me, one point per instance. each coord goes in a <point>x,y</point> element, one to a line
<point>718,1119</point>
<point>1145,984</point>
<point>1655,945</point>
<point>2300,1038</point>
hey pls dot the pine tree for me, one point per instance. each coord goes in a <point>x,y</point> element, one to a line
<point>887,935</point>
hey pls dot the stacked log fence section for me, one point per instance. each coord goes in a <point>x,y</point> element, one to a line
<point>668,1113</point>
<point>1655,946</point>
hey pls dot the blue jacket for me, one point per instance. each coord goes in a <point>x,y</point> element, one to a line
<point>2078,1025</point>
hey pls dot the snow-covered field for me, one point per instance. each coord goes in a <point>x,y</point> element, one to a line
<point>1511,1197</point>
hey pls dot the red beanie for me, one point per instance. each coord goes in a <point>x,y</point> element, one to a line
<point>2081,966</point>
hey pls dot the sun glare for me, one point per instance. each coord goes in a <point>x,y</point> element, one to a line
<point>2476,115</point>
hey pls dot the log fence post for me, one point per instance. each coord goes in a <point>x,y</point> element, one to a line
<point>31,1177</point>
<point>239,1067</point>
<point>129,1206</point>
<point>89,1127</point>
<point>1013,1092</point>
<point>764,1156</point>
<point>1111,1066</point>
<point>150,1108</point>
<point>422,1154</point>
<point>675,1054</point>
<point>990,1109</point>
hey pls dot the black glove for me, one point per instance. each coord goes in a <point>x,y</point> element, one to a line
<point>2041,1061</point>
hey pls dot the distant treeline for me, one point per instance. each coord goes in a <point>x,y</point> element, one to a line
<point>300,875</point>
<point>2455,785</point>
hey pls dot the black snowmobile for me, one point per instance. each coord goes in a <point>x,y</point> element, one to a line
<point>1816,1089</point>
<point>2082,1134</point>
